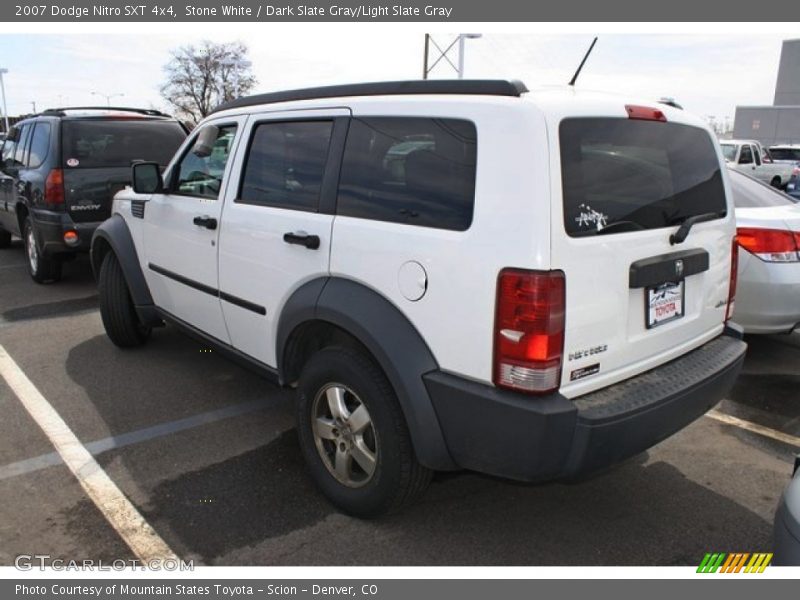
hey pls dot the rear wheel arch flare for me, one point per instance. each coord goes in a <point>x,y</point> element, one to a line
<point>342,309</point>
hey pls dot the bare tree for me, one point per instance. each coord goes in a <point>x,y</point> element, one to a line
<point>198,78</point>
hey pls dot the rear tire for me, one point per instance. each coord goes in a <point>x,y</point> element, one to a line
<point>776,182</point>
<point>116,307</point>
<point>42,268</point>
<point>5,239</point>
<point>368,428</point>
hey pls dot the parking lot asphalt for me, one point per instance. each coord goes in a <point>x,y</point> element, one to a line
<point>207,452</point>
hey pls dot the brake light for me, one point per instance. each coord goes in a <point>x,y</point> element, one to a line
<point>733,278</point>
<point>645,113</point>
<point>529,330</point>
<point>54,189</point>
<point>770,245</point>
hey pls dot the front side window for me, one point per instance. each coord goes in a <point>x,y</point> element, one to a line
<point>40,144</point>
<point>201,176</point>
<point>285,164</point>
<point>746,157</point>
<point>621,175</point>
<point>411,170</point>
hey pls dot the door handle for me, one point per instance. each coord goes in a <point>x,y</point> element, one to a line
<point>302,239</point>
<point>205,221</point>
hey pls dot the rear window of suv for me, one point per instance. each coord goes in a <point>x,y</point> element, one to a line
<point>630,175</point>
<point>109,143</point>
<point>785,154</point>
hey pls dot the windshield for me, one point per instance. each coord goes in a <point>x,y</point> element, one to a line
<point>110,143</point>
<point>628,175</point>
<point>750,193</point>
<point>785,154</point>
<point>729,152</point>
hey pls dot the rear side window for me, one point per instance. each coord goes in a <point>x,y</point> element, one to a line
<point>21,155</point>
<point>750,193</point>
<point>103,143</point>
<point>629,175</point>
<point>40,145</point>
<point>417,171</point>
<point>286,163</point>
<point>10,147</point>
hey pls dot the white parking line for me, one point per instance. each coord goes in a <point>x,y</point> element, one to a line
<point>142,539</point>
<point>754,427</point>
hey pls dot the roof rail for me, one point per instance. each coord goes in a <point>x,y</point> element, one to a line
<point>487,87</point>
<point>142,111</point>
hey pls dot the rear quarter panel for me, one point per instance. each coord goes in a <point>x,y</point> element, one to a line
<point>510,227</point>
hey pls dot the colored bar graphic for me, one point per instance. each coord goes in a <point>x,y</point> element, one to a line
<point>734,562</point>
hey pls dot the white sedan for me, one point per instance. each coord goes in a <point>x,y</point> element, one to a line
<point>768,231</point>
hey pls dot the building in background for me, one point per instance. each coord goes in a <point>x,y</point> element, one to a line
<point>779,123</point>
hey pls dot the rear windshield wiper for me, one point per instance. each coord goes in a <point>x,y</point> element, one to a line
<point>686,226</point>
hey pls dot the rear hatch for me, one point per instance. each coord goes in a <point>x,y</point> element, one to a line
<point>97,155</point>
<point>634,300</point>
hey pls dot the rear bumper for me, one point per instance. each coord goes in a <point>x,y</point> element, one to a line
<point>50,227</point>
<point>533,438</point>
<point>767,296</point>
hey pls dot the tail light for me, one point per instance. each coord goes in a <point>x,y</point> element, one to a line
<point>645,113</point>
<point>733,279</point>
<point>54,189</point>
<point>529,330</point>
<point>770,245</point>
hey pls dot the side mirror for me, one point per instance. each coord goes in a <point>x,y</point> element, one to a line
<point>146,178</point>
<point>204,144</point>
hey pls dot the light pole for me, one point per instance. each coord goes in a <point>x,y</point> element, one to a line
<point>3,89</point>
<point>108,97</point>
<point>462,37</point>
<point>444,52</point>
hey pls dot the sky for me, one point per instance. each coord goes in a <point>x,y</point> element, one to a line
<point>707,74</point>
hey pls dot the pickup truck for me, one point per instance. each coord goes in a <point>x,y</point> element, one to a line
<point>751,158</point>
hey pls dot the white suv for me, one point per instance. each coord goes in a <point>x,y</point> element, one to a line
<point>453,274</point>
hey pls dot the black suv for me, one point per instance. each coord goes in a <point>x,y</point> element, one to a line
<point>60,170</point>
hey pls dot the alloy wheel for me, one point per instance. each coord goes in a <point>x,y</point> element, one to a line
<point>344,435</point>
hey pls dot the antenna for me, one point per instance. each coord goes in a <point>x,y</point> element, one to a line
<point>580,67</point>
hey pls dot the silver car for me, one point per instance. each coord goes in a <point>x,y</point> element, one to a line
<point>768,231</point>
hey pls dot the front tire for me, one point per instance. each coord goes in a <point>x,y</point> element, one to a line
<point>116,307</point>
<point>42,268</point>
<point>354,437</point>
<point>5,239</point>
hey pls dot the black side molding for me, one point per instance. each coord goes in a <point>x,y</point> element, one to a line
<point>667,267</point>
<point>207,289</point>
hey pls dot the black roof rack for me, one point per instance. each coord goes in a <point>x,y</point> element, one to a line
<point>61,112</point>
<point>486,87</point>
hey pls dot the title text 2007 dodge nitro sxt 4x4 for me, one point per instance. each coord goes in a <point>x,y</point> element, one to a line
<point>453,274</point>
